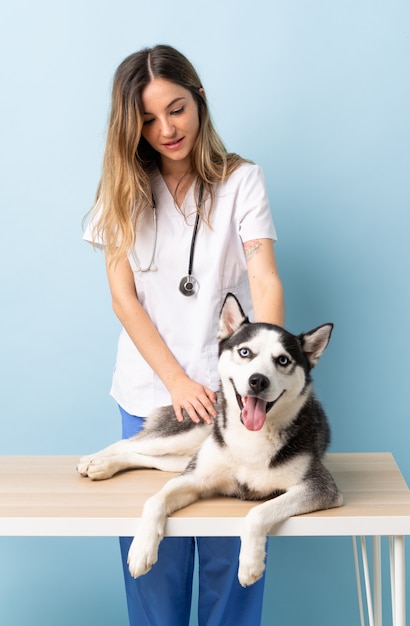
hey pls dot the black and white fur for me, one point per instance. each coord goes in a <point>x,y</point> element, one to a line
<point>266,443</point>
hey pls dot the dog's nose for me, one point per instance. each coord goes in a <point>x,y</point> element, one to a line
<point>258,382</point>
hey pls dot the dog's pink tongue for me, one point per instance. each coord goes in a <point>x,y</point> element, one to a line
<point>253,412</point>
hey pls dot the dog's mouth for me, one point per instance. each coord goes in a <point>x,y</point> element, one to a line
<point>254,410</point>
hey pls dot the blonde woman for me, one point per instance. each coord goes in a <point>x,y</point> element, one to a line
<point>182,222</point>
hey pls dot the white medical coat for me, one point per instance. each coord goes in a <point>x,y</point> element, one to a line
<point>189,324</point>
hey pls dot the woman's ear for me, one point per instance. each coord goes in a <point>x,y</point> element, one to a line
<point>202,92</point>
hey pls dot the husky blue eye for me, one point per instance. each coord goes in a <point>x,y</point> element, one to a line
<point>282,360</point>
<point>244,352</point>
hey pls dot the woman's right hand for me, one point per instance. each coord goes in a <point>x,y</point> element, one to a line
<point>195,399</point>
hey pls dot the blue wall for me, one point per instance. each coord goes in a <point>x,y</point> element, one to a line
<point>318,94</point>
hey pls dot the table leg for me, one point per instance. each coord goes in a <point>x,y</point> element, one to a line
<point>366,575</point>
<point>358,580</point>
<point>399,580</point>
<point>377,581</point>
<point>367,585</point>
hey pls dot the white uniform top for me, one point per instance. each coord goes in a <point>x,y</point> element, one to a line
<point>189,324</point>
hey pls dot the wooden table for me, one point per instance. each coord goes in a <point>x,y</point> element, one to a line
<point>44,496</point>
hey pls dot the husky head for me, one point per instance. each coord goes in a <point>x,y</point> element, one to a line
<point>265,367</point>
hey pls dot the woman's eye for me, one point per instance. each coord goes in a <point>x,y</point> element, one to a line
<point>244,353</point>
<point>178,111</point>
<point>283,360</point>
<point>148,122</point>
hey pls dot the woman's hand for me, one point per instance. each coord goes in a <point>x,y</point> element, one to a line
<point>186,394</point>
<point>192,397</point>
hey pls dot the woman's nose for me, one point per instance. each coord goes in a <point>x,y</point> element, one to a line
<point>168,128</point>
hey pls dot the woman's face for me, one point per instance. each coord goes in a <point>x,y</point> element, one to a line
<point>170,122</point>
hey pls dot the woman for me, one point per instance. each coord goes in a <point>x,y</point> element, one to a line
<point>182,222</point>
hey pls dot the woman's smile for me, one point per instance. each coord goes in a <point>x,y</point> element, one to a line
<point>175,144</point>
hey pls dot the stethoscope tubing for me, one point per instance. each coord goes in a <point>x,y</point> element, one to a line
<point>188,285</point>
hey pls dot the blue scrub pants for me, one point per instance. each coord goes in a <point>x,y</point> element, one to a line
<point>162,597</point>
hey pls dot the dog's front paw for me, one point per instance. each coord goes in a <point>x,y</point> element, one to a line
<point>96,467</point>
<point>143,552</point>
<point>141,558</point>
<point>251,557</point>
<point>250,569</point>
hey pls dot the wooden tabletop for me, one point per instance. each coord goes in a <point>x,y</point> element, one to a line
<point>44,495</point>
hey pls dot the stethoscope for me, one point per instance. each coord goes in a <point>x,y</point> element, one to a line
<point>151,267</point>
<point>188,284</point>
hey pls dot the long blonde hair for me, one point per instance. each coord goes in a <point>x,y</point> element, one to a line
<point>124,191</point>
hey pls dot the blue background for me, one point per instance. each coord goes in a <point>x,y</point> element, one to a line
<point>316,92</point>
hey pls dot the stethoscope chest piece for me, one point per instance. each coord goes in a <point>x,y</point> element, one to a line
<point>188,286</point>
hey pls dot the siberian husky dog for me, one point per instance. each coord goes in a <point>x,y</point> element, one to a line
<point>266,443</point>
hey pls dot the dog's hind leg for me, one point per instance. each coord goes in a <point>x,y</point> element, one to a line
<point>148,448</point>
<point>174,495</point>
<point>124,455</point>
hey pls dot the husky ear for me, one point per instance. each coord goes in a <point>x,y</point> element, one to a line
<point>315,341</point>
<point>231,317</point>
